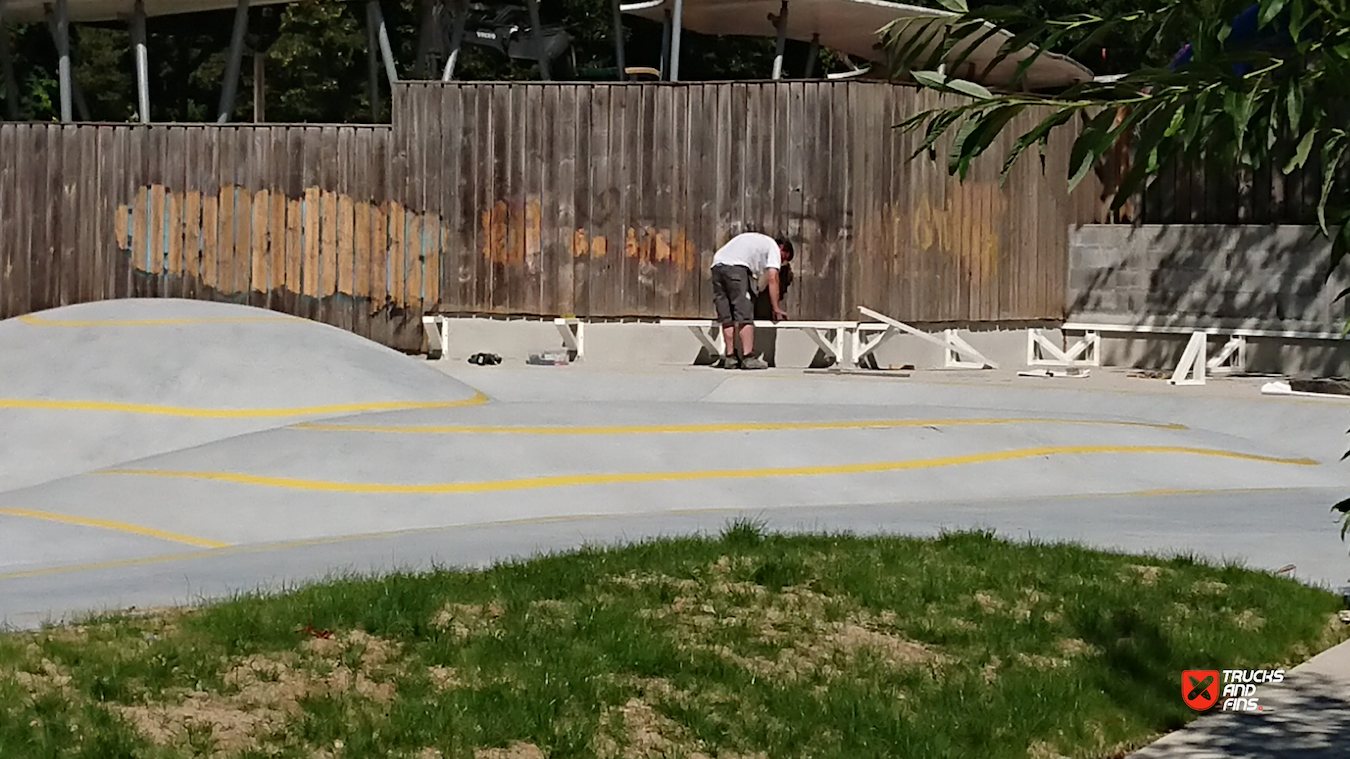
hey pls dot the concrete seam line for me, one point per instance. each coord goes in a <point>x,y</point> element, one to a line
<point>105,524</point>
<point>646,429</point>
<point>534,483</point>
<point>208,413</point>
<point>38,321</point>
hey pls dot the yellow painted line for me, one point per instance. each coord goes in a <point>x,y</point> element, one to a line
<point>39,321</point>
<point>310,542</point>
<point>251,413</point>
<point>569,480</point>
<point>651,429</point>
<point>104,524</point>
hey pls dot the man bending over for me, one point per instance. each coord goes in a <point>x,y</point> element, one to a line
<point>736,267</point>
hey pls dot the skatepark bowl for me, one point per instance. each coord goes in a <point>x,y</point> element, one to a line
<point>159,452</point>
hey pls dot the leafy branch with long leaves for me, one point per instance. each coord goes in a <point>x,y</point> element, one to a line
<point>1263,83</point>
<point>1257,84</point>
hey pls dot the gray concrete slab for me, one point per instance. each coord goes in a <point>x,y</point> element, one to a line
<point>1307,716</point>
<point>88,386</point>
<point>161,452</point>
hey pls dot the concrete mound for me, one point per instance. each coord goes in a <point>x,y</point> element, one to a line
<point>93,385</point>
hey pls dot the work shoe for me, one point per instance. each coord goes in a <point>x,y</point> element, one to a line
<point>727,362</point>
<point>754,362</point>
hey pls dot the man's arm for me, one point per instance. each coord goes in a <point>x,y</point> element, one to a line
<point>774,296</point>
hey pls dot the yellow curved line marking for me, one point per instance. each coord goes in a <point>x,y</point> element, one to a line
<point>568,480</point>
<point>105,524</point>
<point>39,321</point>
<point>236,550</point>
<point>251,413</point>
<point>649,429</point>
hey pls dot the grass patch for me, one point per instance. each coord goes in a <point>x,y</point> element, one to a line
<point>747,645</point>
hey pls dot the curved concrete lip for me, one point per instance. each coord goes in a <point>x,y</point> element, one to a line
<point>293,450</point>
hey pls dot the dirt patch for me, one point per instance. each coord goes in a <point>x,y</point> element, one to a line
<point>231,728</point>
<point>1249,619</point>
<point>466,621</point>
<point>445,678</point>
<point>1146,574</point>
<point>514,751</point>
<point>987,603</point>
<point>1039,661</point>
<point>1044,750</point>
<point>637,731</point>
<point>264,693</point>
<point>48,678</point>
<point>1209,588</point>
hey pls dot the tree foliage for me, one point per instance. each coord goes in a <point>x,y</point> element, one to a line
<point>316,66</point>
<point>1264,83</point>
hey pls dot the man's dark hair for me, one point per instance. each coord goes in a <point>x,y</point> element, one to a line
<point>786,245</point>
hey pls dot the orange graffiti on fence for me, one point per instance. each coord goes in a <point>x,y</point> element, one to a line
<point>966,227</point>
<point>318,244</point>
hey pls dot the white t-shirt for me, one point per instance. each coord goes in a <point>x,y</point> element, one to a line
<point>752,250</point>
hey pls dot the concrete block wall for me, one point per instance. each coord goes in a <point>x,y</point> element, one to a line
<point>1259,277</point>
<point>1253,277</point>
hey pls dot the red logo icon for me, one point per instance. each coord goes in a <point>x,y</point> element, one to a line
<point>1200,688</point>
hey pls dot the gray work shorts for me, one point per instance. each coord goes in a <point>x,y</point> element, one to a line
<point>731,294</point>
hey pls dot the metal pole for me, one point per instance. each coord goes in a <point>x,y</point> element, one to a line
<point>76,94</point>
<point>665,46</point>
<point>372,58</point>
<point>676,26</point>
<point>539,52</point>
<point>386,50</point>
<point>812,56</point>
<point>7,69</point>
<point>232,64</point>
<point>142,61</point>
<point>619,52</point>
<point>259,87</point>
<point>63,58</point>
<point>460,10</point>
<point>781,23</point>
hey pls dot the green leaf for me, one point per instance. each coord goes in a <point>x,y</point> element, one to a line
<point>1344,508</point>
<point>970,88</point>
<point>973,142</point>
<point>931,79</point>
<point>1087,149</point>
<point>955,6</point>
<point>1297,20</point>
<point>1332,152</point>
<point>1269,10</point>
<point>1294,106</point>
<point>1038,133</point>
<point>1302,152</point>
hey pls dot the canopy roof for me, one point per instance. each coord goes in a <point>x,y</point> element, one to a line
<point>86,11</point>
<point>853,27</point>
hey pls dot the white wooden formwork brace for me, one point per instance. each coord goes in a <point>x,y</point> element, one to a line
<point>1191,369</point>
<point>833,338</point>
<point>957,353</point>
<point>438,335</point>
<point>573,332</point>
<point>1041,351</point>
<point>1195,365</point>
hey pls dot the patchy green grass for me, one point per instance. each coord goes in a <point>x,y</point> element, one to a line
<point>748,645</point>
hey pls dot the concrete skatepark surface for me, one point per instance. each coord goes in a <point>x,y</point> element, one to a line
<point>161,452</point>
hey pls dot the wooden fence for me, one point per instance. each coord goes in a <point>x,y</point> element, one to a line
<point>597,200</point>
<point>300,219</point>
<point>608,200</point>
